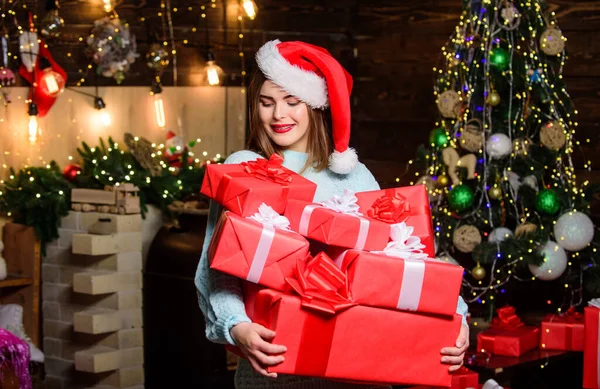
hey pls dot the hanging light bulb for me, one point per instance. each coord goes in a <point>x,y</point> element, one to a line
<point>159,108</point>
<point>214,73</point>
<point>108,6</point>
<point>104,116</point>
<point>52,83</point>
<point>33,130</point>
<point>250,8</point>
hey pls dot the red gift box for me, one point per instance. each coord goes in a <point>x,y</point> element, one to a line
<point>241,188</point>
<point>508,335</point>
<point>256,252</point>
<point>563,332</point>
<point>405,284</point>
<point>327,336</point>
<point>591,351</point>
<point>409,204</point>
<point>463,378</point>
<point>335,228</point>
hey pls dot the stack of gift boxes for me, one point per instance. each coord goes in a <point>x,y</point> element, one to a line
<point>348,285</point>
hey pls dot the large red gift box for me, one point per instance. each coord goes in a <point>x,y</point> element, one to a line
<point>252,251</point>
<point>328,336</point>
<point>242,188</point>
<point>360,343</point>
<point>336,228</point>
<point>406,284</point>
<point>508,335</point>
<point>563,332</point>
<point>409,204</point>
<point>591,351</point>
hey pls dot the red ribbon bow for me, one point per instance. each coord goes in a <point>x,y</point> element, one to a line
<point>321,284</point>
<point>390,209</point>
<point>268,170</point>
<point>571,316</point>
<point>506,319</point>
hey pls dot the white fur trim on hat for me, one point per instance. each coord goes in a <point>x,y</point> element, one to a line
<point>303,84</point>
<point>344,162</point>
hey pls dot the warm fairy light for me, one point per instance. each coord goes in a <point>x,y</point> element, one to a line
<point>159,110</point>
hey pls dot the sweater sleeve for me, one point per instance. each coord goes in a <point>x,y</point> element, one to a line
<point>220,295</point>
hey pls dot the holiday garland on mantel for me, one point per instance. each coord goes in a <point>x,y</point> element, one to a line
<point>40,196</point>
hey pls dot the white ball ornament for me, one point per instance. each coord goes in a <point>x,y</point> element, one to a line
<point>554,265</point>
<point>498,146</point>
<point>573,231</point>
<point>499,234</point>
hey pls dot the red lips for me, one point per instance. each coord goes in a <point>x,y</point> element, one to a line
<point>282,128</point>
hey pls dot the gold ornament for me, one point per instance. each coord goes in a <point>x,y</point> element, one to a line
<point>443,181</point>
<point>478,272</point>
<point>495,192</point>
<point>449,104</point>
<point>471,138</point>
<point>525,229</point>
<point>552,135</point>
<point>552,42</point>
<point>493,98</point>
<point>453,161</point>
<point>521,147</point>
<point>466,238</point>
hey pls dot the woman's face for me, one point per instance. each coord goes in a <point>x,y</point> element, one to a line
<point>284,117</point>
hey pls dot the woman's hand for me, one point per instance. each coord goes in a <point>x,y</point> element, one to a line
<point>455,355</point>
<point>253,339</point>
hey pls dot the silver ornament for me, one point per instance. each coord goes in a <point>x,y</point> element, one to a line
<point>573,231</point>
<point>554,265</point>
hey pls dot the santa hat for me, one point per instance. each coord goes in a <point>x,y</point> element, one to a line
<point>311,74</point>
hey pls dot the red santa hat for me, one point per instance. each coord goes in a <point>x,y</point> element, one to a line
<point>312,75</point>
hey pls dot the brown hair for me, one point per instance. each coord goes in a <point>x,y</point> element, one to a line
<point>319,139</point>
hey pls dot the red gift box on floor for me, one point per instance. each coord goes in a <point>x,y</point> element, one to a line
<point>563,332</point>
<point>242,188</point>
<point>409,204</point>
<point>422,285</point>
<point>327,337</point>
<point>508,335</point>
<point>591,351</point>
<point>260,253</point>
<point>463,378</point>
<point>337,227</point>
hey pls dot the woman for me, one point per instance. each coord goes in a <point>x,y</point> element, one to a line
<point>298,84</point>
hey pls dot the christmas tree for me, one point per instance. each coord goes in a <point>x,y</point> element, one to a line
<point>506,202</point>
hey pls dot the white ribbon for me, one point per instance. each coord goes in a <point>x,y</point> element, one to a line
<point>491,384</point>
<point>345,204</point>
<point>267,216</point>
<point>403,244</point>
<point>270,221</point>
<point>594,303</point>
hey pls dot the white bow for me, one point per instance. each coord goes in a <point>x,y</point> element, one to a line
<point>491,384</point>
<point>344,204</point>
<point>267,215</point>
<point>516,182</point>
<point>594,303</point>
<point>403,244</point>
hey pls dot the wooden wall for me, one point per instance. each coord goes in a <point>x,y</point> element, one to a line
<point>390,46</point>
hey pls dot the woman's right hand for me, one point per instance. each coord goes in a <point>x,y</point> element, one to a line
<point>253,339</point>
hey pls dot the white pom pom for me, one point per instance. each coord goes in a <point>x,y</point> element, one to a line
<point>344,162</point>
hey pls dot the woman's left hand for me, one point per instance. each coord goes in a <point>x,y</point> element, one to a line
<point>455,355</point>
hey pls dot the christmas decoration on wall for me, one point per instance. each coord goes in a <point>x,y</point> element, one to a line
<point>7,77</point>
<point>466,238</point>
<point>112,47</point>
<point>554,265</point>
<point>29,48</point>
<point>449,104</point>
<point>157,57</point>
<point>52,23</point>
<point>574,231</point>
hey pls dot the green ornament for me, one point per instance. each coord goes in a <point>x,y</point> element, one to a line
<point>499,58</point>
<point>461,197</point>
<point>438,137</point>
<point>547,202</point>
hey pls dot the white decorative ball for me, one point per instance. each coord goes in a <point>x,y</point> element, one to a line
<point>498,146</point>
<point>554,265</point>
<point>573,231</point>
<point>499,234</point>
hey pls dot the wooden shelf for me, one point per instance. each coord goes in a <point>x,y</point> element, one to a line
<point>15,281</point>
